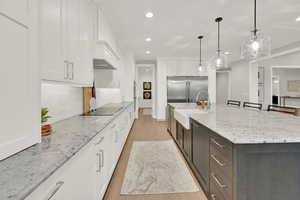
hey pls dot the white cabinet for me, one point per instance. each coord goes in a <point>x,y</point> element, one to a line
<point>17,10</point>
<point>72,180</point>
<point>87,174</point>
<point>19,82</point>
<point>67,39</point>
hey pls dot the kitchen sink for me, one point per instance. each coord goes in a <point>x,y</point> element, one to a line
<point>183,116</point>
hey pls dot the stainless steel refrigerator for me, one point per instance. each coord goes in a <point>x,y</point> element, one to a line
<point>187,89</point>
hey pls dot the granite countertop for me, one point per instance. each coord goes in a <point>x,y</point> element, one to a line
<point>183,105</point>
<point>26,170</point>
<point>245,126</point>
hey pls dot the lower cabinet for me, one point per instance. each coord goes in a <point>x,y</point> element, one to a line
<point>179,134</point>
<point>87,174</point>
<point>201,154</point>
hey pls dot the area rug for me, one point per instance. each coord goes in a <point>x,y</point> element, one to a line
<point>156,167</point>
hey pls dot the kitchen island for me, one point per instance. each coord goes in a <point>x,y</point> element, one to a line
<point>243,154</point>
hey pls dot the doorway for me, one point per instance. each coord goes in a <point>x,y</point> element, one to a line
<point>145,87</point>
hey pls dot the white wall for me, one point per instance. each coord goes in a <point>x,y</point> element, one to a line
<point>144,75</point>
<point>222,87</point>
<point>107,96</point>
<point>128,77</point>
<point>63,101</point>
<point>239,77</point>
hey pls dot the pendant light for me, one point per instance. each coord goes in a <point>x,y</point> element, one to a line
<point>201,68</point>
<point>256,45</point>
<point>219,61</point>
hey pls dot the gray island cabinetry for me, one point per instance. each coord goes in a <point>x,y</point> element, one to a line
<point>240,154</point>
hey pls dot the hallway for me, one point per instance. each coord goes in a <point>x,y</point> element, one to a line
<point>144,129</point>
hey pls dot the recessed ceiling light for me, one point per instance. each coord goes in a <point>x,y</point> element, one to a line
<point>149,15</point>
<point>227,53</point>
<point>148,52</point>
<point>298,19</point>
<point>148,39</point>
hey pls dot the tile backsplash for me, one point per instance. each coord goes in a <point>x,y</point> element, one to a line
<point>63,101</point>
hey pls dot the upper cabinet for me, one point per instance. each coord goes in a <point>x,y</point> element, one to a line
<point>107,49</point>
<point>19,77</point>
<point>18,13</point>
<point>67,38</point>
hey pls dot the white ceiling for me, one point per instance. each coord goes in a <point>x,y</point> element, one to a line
<point>177,23</point>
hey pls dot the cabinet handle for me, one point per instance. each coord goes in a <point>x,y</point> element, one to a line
<point>217,143</point>
<point>100,141</point>
<point>102,160</point>
<point>213,197</point>
<point>116,137</point>
<point>221,185</point>
<point>100,163</point>
<point>217,161</point>
<point>55,190</point>
<point>72,71</point>
<point>66,69</point>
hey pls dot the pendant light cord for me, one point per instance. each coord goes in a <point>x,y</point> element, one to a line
<point>200,54</point>
<point>255,21</point>
<point>219,38</point>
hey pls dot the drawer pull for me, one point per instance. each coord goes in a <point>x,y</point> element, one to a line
<point>55,190</point>
<point>217,143</point>
<point>221,185</point>
<point>100,141</point>
<point>113,126</point>
<point>217,161</point>
<point>213,197</point>
<point>100,160</point>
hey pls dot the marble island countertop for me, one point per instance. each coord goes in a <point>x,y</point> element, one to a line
<point>245,126</point>
<point>25,171</point>
<point>183,105</point>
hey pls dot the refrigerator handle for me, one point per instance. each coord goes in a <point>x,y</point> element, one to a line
<point>188,92</point>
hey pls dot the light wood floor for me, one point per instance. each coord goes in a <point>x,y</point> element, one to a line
<point>144,129</point>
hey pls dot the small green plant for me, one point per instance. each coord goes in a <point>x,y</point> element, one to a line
<point>44,115</point>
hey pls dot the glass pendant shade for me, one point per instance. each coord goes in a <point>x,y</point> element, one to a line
<point>202,68</point>
<point>256,46</point>
<point>219,61</point>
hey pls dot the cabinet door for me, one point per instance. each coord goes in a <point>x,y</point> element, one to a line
<point>18,90</point>
<point>71,37</point>
<point>52,57</point>
<point>187,143</point>
<point>15,9</point>
<point>179,130</point>
<point>84,71</point>
<point>201,153</point>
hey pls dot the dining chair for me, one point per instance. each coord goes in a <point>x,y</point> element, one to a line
<point>252,105</point>
<point>283,109</point>
<point>234,103</point>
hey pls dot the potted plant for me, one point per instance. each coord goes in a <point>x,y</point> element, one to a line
<point>46,127</point>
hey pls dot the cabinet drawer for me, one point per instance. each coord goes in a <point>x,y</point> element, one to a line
<point>222,146</point>
<point>221,181</point>
<point>217,160</point>
<point>215,193</point>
